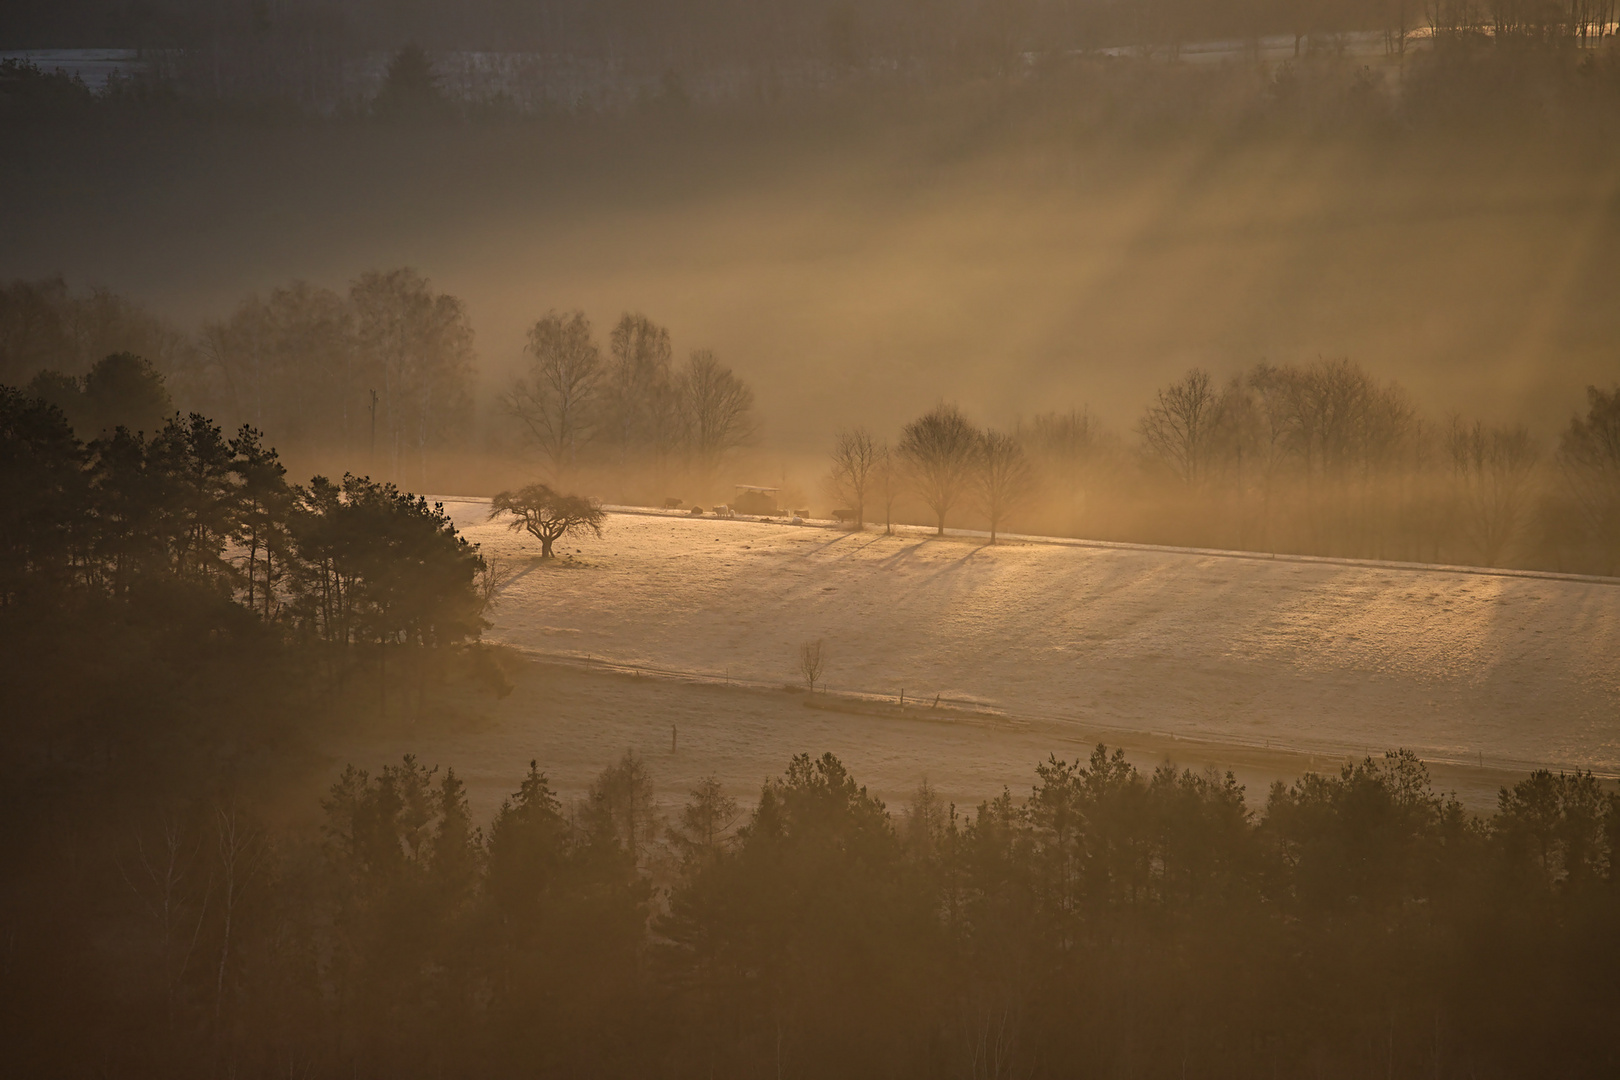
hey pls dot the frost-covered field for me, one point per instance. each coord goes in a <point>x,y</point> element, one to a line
<point>1319,657</point>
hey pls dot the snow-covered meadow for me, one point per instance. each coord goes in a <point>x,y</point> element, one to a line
<point>1316,656</point>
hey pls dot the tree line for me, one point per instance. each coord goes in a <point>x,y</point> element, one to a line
<point>941,460</point>
<point>383,371</point>
<point>343,562</point>
<point>1326,456</point>
<point>308,52</point>
<point>1107,923</point>
<point>633,408</point>
<point>1320,458</point>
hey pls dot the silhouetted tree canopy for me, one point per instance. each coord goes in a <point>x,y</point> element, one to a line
<point>941,450</point>
<point>1356,921</point>
<point>547,515</point>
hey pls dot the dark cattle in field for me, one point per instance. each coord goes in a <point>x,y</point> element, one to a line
<point>843,517</point>
<point>673,504</point>
<point>696,511</point>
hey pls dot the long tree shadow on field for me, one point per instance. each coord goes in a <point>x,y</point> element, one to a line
<point>905,556</point>
<point>869,538</point>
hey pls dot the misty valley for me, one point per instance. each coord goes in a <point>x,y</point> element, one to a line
<point>810,540</point>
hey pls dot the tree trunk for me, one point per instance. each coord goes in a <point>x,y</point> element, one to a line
<point>545,546</point>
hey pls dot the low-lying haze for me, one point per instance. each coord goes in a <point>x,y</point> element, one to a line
<point>858,271</point>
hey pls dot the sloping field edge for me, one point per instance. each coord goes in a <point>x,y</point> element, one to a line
<point>1122,545</point>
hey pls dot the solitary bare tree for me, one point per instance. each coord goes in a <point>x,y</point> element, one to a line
<point>855,461</point>
<point>556,401</point>
<point>1179,427</point>
<point>810,662</point>
<point>1004,476</point>
<point>1493,468</point>
<point>941,449</point>
<point>546,514</point>
<point>492,577</point>
<point>714,412</point>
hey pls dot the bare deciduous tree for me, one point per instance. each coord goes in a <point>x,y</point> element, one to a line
<point>941,449</point>
<point>1004,477</point>
<point>493,576</point>
<point>1260,421</point>
<point>811,660</point>
<point>714,412</point>
<point>547,515</point>
<point>178,906</point>
<point>1492,468</point>
<point>887,483</point>
<point>240,849</point>
<point>1179,428</point>
<point>556,402</point>
<point>639,390</point>
<point>1589,461</point>
<point>419,345</point>
<point>855,461</point>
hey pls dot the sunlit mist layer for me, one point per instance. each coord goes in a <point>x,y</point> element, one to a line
<point>858,271</point>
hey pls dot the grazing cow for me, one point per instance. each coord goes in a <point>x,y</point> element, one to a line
<point>843,517</point>
<point>696,511</point>
<point>673,504</point>
<point>723,511</point>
